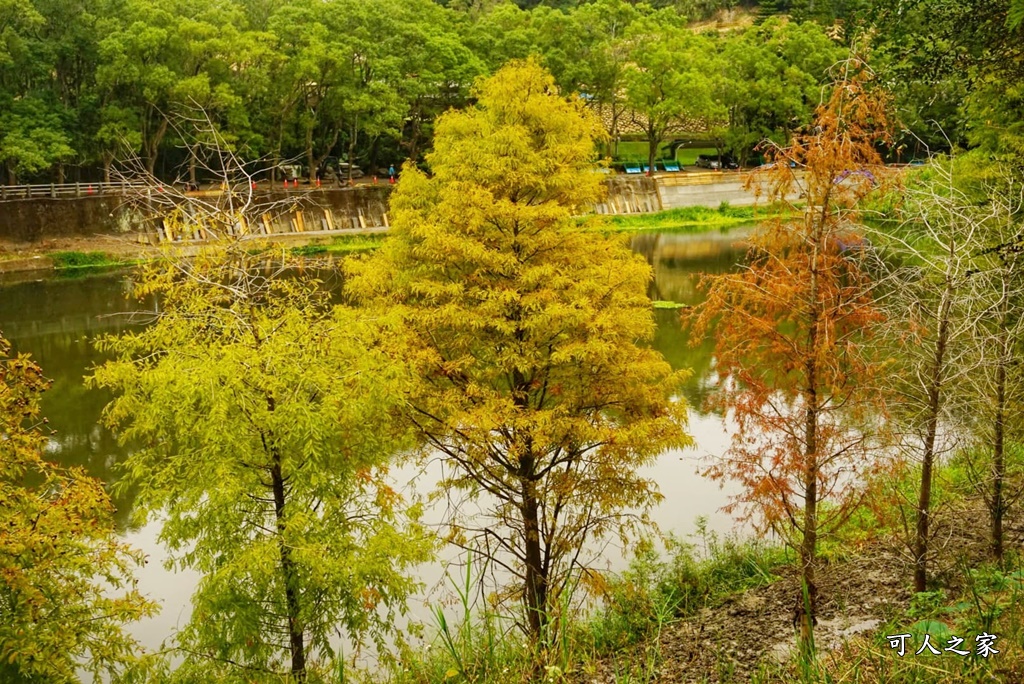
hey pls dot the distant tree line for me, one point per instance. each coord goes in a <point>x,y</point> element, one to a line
<point>84,86</point>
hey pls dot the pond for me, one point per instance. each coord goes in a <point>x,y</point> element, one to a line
<point>55,320</point>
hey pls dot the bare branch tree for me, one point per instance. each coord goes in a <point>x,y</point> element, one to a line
<point>236,209</point>
<point>934,310</point>
<point>999,284</point>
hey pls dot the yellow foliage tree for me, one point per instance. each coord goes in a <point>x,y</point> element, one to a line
<point>61,567</point>
<point>526,332</point>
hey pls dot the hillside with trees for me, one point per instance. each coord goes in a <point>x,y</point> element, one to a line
<point>86,86</point>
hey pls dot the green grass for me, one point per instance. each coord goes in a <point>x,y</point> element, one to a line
<point>86,261</point>
<point>688,156</point>
<point>633,150</point>
<point>341,244</point>
<point>636,606</point>
<point>695,219</point>
<point>655,589</point>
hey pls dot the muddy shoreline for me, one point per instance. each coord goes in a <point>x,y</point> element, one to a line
<point>36,258</point>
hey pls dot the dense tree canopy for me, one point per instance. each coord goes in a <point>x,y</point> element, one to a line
<point>83,86</point>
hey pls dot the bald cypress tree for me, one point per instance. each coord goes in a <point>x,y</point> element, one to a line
<point>527,333</point>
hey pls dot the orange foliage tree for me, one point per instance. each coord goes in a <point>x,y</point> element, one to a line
<point>790,330</point>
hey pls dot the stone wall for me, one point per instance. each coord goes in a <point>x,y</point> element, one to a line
<point>363,207</point>
<point>32,220</point>
<point>630,195</point>
<point>727,189</point>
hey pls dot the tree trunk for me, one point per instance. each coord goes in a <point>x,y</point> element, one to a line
<point>536,577</point>
<point>352,146</point>
<point>310,159</point>
<point>928,459</point>
<point>279,142</point>
<point>415,128</point>
<point>998,462</point>
<point>108,161</point>
<point>152,145</point>
<point>807,602</point>
<point>291,584</point>
<point>616,115</point>
<point>192,171</point>
<point>652,149</point>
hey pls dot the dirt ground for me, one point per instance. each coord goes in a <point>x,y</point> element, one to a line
<point>33,256</point>
<point>733,640</point>
<point>128,247</point>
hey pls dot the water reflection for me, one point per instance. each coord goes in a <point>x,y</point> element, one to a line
<point>56,321</point>
<point>679,261</point>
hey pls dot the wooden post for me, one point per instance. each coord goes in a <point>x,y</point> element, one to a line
<point>53,191</point>
<point>78,189</point>
<point>386,225</point>
<point>329,219</point>
<point>266,224</point>
<point>299,222</point>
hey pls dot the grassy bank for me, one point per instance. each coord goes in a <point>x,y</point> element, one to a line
<point>696,219</point>
<point>74,262</point>
<point>618,640</point>
<point>341,244</point>
<point>720,610</point>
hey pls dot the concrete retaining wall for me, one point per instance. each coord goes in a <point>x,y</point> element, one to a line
<point>361,208</point>
<point>33,220</point>
<point>630,195</point>
<point>711,195</point>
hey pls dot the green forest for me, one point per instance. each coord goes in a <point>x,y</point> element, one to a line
<point>86,87</point>
<point>862,351</point>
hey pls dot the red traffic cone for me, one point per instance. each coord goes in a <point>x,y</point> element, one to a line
<point>374,180</point>
<point>318,181</point>
<point>88,190</point>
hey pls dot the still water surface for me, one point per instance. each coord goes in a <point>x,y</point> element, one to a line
<point>56,319</point>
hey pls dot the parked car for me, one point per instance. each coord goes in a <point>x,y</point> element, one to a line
<point>333,168</point>
<point>713,161</point>
<point>708,161</point>
<point>290,172</point>
<point>343,170</point>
